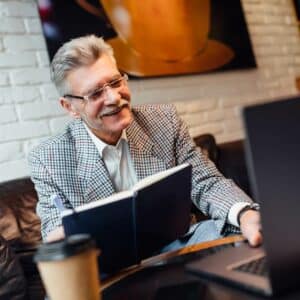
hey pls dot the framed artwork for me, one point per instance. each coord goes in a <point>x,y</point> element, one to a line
<point>297,7</point>
<point>154,37</point>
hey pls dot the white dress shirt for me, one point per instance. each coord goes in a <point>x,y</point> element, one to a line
<point>117,160</point>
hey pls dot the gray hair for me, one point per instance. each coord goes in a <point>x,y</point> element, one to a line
<point>76,53</point>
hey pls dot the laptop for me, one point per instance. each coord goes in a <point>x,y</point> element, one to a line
<point>273,161</point>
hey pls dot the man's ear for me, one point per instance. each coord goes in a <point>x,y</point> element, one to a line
<point>69,107</point>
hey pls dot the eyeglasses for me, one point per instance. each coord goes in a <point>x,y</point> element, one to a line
<point>100,92</point>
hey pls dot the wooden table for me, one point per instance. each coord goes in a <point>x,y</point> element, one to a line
<point>164,277</point>
<point>168,255</point>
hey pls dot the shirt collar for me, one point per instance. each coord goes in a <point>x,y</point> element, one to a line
<point>100,145</point>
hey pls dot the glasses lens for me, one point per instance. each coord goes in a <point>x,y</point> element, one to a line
<point>94,96</point>
<point>116,83</point>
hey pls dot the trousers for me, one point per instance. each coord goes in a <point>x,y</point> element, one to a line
<point>200,232</point>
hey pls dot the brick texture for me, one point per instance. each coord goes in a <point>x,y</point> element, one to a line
<point>207,102</point>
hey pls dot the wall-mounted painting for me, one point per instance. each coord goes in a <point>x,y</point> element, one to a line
<point>154,37</point>
<point>297,7</point>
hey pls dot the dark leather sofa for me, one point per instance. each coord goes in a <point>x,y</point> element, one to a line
<point>20,226</point>
<point>229,158</point>
<point>19,237</point>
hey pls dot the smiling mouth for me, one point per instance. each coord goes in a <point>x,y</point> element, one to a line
<point>115,111</point>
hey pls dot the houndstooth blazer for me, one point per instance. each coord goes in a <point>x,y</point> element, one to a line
<point>69,165</point>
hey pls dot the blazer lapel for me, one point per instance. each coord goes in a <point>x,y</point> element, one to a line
<point>91,169</point>
<point>145,158</point>
<point>94,176</point>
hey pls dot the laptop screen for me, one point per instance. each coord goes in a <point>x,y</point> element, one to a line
<point>273,159</point>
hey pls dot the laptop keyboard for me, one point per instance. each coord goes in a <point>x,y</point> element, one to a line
<point>257,267</point>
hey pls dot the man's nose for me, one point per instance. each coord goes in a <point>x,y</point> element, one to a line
<point>112,96</point>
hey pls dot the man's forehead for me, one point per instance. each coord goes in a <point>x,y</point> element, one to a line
<point>87,78</point>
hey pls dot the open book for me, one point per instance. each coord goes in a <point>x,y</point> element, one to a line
<point>132,225</point>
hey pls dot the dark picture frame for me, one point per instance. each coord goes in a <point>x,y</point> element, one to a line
<point>297,8</point>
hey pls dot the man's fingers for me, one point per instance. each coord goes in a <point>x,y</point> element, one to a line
<point>251,228</point>
<point>252,233</point>
<point>57,234</point>
<point>255,238</point>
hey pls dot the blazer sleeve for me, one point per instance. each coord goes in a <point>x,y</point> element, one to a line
<point>45,187</point>
<point>212,193</point>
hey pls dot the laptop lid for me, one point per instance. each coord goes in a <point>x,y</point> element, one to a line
<point>273,160</point>
<point>273,157</point>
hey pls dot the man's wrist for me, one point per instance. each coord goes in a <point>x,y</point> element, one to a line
<point>250,206</point>
<point>234,211</point>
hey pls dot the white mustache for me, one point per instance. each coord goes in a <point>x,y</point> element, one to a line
<point>114,109</point>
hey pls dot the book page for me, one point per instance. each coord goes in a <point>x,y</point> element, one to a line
<point>157,177</point>
<point>129,193</point>
<point>113,198</point>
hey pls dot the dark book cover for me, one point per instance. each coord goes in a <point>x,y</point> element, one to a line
<point>163,212</point>
<point>112,227</point>
<point>134,225</point>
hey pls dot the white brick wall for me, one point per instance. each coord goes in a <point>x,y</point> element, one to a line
<point>18,8</point>
<point>29,112</point>
<point>17,43</point>
<point>10,151</point>
<point>8,114</point>
<point>29,76</point>
<point>17,60</point>
<point>23,130</point>
<point>11,25</point>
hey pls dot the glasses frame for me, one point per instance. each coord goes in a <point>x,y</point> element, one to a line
<point>122,79</point>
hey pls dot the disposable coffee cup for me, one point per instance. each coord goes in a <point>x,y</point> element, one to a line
<point>69,268</point>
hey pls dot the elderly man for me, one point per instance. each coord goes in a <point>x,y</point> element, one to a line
<point>110,145</point>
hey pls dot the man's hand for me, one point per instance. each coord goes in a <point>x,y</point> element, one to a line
<point>251,227</point>
<point>56,234</point>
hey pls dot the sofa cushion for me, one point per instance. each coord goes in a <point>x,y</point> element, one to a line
<point>18,220</point>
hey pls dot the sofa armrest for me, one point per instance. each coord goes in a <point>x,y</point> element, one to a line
<point>231,162</point>
<point>20,227</point>
<point>228,157</point>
